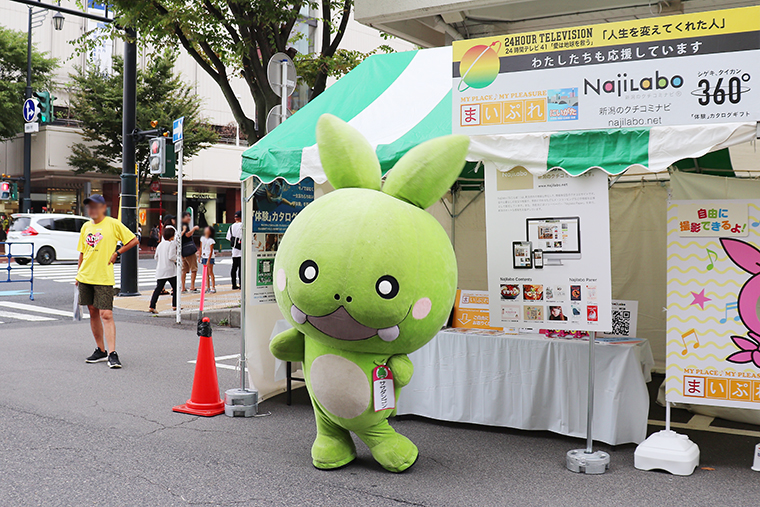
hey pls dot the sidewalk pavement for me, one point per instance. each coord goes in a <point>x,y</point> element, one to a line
<point>224,298</point>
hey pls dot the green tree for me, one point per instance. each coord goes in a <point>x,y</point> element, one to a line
<point>13,78</point>
<point>162,96</point>
<point>234,38</point>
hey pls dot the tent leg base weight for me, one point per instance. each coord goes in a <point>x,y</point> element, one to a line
<point>594,463</point>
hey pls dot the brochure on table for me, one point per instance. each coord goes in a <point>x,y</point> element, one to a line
<point>275,205</point>
<point>713,332</point>
<point>471,310</point>
<point>548,244</point>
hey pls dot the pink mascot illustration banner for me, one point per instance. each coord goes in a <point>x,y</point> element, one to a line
<point>713,330</point>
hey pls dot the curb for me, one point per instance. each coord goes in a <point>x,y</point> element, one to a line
<point>231,315</point>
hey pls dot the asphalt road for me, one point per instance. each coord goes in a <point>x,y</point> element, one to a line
<point>54,293</point>
<point>74,434</point>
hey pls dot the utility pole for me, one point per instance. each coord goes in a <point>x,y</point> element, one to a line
<point>129,260</point>
<point>26,202</point>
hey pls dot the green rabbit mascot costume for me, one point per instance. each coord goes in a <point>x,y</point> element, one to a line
<point>366,276</point>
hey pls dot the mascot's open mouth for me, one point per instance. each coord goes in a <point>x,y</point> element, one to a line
<point>342,326</point>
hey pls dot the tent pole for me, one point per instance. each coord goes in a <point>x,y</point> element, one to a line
<point>454,218</point>
<point>243,259</point>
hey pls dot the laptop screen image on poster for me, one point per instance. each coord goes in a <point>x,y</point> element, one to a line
<point>558,237</point>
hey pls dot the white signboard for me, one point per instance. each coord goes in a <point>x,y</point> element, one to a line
<point>548,250</point>
<point>713,332</point>
<point>686,69</point>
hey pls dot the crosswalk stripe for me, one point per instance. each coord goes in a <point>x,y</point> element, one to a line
<point>38,309</point>
<point>24,316</point>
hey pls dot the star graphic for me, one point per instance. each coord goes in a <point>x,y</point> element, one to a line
<point>700,299</point>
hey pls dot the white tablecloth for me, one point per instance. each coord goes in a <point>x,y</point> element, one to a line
<point>528,382</point>
<point>531,382</point>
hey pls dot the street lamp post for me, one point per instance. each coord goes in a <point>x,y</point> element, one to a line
<point>26,202</point>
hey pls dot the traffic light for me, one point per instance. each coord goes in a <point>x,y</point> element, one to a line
<point>14,191</point>
<point>157,157</point>
<point>5,190</point>
<point>45,106</point>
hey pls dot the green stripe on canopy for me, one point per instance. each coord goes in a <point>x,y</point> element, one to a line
<point>279,153</point>
<point>610,150</point>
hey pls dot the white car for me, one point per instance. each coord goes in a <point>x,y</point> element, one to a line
<point>55,236</point>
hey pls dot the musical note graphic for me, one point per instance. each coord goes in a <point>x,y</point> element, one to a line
<point>683,338</point>
<point>710,258</point>
<point>730,306</point>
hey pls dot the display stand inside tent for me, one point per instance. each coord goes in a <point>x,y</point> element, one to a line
<point>586,460</point>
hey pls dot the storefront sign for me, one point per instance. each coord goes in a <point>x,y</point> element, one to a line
<point>713,331</point>
<point>674,70</point>
<point>548,250</point>
<point>205,196</point>
<point>275,205</point>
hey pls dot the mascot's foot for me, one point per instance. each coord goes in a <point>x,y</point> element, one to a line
<point>395,453</point>
<point>329,453</point>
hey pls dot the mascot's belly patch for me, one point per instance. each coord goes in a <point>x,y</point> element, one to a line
<point>340,386</point>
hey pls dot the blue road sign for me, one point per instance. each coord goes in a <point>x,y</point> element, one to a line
<point>31,110</point>
<point>177,130</point>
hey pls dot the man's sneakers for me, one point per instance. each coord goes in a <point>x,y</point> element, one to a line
<point>113,360</point>
<point>97,357</point>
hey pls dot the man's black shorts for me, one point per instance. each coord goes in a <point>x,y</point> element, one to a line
<point>99,296</point>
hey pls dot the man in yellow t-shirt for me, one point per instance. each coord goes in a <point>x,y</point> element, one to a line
<point>97,252</point>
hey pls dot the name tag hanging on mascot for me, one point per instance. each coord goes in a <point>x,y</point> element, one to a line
<point>382,388</point>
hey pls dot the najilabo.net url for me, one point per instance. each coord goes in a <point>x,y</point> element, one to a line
<point>635,122</point>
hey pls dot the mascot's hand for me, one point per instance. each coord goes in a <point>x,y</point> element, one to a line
<point>402,369</point>
<point>288,346</point>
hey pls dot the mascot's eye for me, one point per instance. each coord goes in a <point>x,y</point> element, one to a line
<point>387,287</point>
<point>308,271</point>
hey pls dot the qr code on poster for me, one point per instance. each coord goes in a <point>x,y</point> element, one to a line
<point>621,322</point>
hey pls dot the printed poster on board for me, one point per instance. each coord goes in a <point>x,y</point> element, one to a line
<point>686,69</point>
<point>713,326</point>
<point>548,244</point>
<point>275,205</point>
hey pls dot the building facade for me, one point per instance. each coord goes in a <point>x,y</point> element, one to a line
<point>211,178</point>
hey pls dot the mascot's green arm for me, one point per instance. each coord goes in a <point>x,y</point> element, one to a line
<point>288,345</point>
<point>402,369</point>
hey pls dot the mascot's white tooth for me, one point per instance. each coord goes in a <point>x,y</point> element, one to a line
<point>297,314</point>
<point>388,334</point>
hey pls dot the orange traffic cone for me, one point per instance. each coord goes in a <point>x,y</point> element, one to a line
<point>205,399</point>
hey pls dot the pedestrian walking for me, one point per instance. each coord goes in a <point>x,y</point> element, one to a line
<point>189,252</point>
<point>166,269</point>
<point>155,235</point>
<point>208,257</point>
<point>98,251</point>
<point>235,237</point>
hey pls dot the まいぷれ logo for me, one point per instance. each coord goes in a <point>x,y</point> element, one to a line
<point>624,84</point>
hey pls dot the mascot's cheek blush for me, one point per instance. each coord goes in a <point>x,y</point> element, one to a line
<point>281,280</point>
<point>422,308</point>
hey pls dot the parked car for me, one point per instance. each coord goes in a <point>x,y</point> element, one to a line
<point>55,236</point>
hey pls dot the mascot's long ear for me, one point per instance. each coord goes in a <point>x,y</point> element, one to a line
<point>347,157</point>
<point>427,171</point>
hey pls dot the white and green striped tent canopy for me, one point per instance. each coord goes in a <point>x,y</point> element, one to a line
<point>399,100</point>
